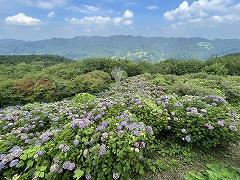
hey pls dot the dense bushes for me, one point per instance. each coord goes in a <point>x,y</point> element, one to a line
<point>92,82</point>
<point>112,136</point>
<point>203,121</point>
<point>67,75</point>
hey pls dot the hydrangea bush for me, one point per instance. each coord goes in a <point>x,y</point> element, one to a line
<point>62,141</point>
<point>109,136</point>
<point>202,121</point>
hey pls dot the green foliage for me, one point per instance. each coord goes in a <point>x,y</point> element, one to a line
<point>92,82</point>
<point>203,122</point>
<point>215,172</point>
<point>216,69</point>
<point>83,98</point>
<point>8,94</point>
<point>47,60</point>
<point>179,67</point>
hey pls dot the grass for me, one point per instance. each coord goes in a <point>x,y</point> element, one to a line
<point>178,165</point>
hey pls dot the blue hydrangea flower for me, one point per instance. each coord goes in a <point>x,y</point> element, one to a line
<point>184,130</point>
<point>136,144</point>
<point>13,162</point>
<point>76,142</point>
<point>116,176</point>
<point>102,150</point>
<point>136,133</point>
<point>188,139</point>
<point>88,177</point>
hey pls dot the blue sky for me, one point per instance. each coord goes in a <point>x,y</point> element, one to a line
<point>43,19</point>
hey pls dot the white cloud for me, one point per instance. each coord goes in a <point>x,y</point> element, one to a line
<point>128,14</point>
<point>199,9</point>
<point>90,20</point>
<point>83,9</point>
<point>90,8</point>
<point>22,19</point>
<point>51,14</point>
<point>45,4</point>
<point>126,19</point>
<point>152,7</point>
<point>127,22</point>
<point>204,13</point>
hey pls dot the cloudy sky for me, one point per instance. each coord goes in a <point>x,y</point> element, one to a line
<point>42,19</point>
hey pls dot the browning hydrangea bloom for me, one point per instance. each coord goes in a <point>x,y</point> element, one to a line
<point>54,168</point>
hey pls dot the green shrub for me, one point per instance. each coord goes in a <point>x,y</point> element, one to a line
<point>194,89</point>
<point>150,113</point>
<point>83,98</point>
<point>92,82</point>
<point>216,69</point>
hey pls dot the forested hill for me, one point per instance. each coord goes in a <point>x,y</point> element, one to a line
<point>130,47</point>
<point>47,60</point>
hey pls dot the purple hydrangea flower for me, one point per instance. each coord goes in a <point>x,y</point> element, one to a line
<point>2,165</point>
<point>102,150</point>
<point>104,136</point>
<point>68,165</point>
<point>4,127</point>
<point>184,130</point>
<point>149,128</point>
<point>61,146</point>
<point>54,168</point>
<point>88,177</point>
<point>136,144</point>
<point>210,127</point>
<point>105,124</point>
<point>116,176</point>
<point>45,138</point>
<point>40,153</point>
<point>55,160</point>
<point>142,144</point>
<point>121,132</point>
<point>66,148</point>
<point>120,127</point>
<point>188,139</point>
<point>2,156</point>
<point>221,122</point>
<point>136,133</point>
<point>169,127</point>
<point>76,142</point>
<point>13,162</point>
<point>14,149</point>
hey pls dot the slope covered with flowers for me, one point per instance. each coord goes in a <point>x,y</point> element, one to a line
<point>110,136</point>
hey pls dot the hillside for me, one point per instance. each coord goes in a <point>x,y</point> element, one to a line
<point>130,47</point>
<point>48,60</point>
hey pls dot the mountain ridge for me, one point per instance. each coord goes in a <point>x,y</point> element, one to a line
<point>120,46</point>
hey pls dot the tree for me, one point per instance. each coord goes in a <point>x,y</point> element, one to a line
<point>216,69</point>
<point>118,74</point>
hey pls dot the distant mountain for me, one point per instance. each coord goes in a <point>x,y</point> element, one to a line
<point>130,47</point>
